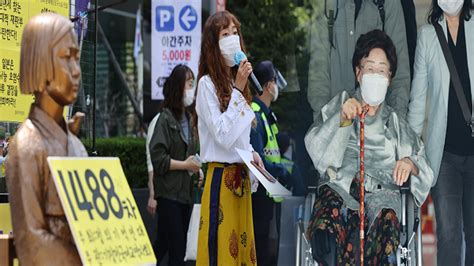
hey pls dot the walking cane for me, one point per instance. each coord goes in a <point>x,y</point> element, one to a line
<point>365,109</point>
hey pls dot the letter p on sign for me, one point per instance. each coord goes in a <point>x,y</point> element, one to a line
<point>164,18</point>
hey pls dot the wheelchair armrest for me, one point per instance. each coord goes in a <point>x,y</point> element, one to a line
<point>405,188</point>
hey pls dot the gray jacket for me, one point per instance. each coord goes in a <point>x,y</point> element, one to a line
<point>330,68</point>
<point>430,90</point>
<point>334,151</point>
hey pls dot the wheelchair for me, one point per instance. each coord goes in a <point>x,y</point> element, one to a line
<point>409,251</point>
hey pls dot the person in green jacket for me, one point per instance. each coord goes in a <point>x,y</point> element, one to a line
<point>171,150</point>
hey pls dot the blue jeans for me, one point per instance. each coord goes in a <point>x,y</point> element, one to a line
<point>453,198</point>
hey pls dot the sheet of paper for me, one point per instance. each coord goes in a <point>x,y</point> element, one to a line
<point>275,189</point>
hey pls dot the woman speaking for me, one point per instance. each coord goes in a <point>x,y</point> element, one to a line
<point>224,123</point>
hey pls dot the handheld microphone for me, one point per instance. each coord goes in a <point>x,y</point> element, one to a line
<point>238,57</point>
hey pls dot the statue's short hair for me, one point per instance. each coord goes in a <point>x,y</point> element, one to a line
<point>41,34</point>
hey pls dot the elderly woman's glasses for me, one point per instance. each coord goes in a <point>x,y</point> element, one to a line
<point>369,68</point>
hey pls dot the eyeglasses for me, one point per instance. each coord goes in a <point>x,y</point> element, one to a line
<point>370,68</point>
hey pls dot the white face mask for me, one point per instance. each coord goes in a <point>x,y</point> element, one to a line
<point>451,7</point>
<point>229,46</point>
<point>188,98</point>
<point>373,88</point>
<point>275,93</point>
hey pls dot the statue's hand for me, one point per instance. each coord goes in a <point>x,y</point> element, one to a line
<point>74,124</point>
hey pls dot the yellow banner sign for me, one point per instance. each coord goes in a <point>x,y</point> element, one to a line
<point>5,220</point>
<point>101,211</point>
<point>14,14</point>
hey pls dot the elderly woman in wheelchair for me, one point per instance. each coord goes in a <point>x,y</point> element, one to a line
<point>392,152</point>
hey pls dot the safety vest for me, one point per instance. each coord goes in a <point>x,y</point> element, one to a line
<point>2,168</point>
<point>271,150</point>
<point>288,165</point>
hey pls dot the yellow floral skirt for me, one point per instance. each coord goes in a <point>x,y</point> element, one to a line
<point>226,227</point>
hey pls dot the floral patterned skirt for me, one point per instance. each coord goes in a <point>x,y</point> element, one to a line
<point>381,239</point>
<point>226,227</point>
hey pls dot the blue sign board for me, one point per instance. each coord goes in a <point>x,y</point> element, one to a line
<point>165,18</point>
<point>188,18</point>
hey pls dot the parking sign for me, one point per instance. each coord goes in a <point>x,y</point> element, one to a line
<point>176,39</point>
<point>165,18</point>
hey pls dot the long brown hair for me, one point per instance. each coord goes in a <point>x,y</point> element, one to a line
<point>211,61</point>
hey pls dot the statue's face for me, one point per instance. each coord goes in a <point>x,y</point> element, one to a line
<point>67,72</point>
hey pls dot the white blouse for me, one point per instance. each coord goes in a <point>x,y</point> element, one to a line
<point>221,132</point>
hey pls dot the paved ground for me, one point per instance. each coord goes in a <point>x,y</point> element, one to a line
<point>429,250</point>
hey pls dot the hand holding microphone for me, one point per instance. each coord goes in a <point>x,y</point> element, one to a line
<point>244,73</point>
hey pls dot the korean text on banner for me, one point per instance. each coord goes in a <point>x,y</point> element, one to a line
<point>176,39</point>
<point>14,14</point>
<point>101,211</point>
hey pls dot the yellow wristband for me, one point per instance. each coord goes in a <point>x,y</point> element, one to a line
<point>346,123</point>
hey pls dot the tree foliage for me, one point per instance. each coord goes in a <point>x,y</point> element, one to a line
<point>275,30</point>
